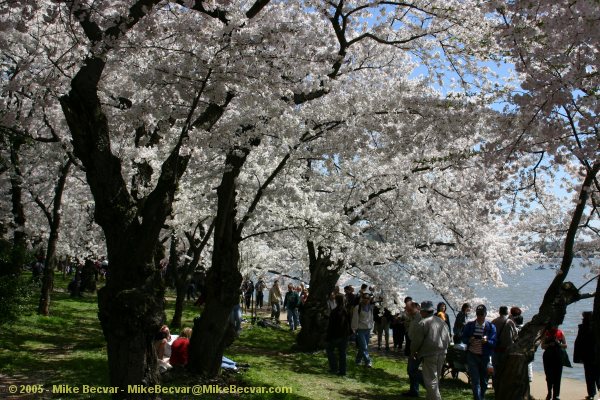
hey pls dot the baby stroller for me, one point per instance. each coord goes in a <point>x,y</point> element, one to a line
<point>456,361</point>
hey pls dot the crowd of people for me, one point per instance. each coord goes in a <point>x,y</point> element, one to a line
<point>427,333</point>
<point>424,333</point>
<point>420,331</point>
<point>84,274</point>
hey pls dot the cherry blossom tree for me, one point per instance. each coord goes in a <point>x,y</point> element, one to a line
<point>554,45</point>
<point>164,98</point>
<point>84,66</point>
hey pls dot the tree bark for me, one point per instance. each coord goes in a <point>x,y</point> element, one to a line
<point>131,305</point>
<point>54,220</point>
<point>181,289</point>
<point>314,314</point>
<point>17,255</point>
<point>223,279</point>
<point>514,381</point>
<point>183,275</point>
<point>130,316</point>
<point>132,302</point>
<point>48,276</point>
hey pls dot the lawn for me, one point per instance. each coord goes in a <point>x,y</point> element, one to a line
<point>68,348</point>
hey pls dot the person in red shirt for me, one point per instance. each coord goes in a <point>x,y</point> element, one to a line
<point>553,343</point>
<point>179,348</point>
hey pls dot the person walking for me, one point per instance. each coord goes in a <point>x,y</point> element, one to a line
<point>260,287</point>
<point>430,339</point>
<point>461,321</point>
<point>480,337</point>
<point>584,352</point>
<point>291,303</point>
<point>506,336</point>
<point>382,321</point>
<point>553,344</point>
<point>362,325</point>
<point>415,377</point>
<point>408,302</point>
<point>275,301</point>
<point>398,330</point>
<point>338,331</point>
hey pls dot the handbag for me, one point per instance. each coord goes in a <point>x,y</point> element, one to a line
<point>564,358</point>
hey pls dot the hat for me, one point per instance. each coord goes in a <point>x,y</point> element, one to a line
<point>427,306</point>
<point>481,309</point>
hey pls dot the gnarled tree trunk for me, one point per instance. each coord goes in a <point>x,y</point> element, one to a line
<point>223,278</point>
<point>131,311</point>
<point>131,305</point>
<point>54,219</point>
<point>17,257</point>
<point>314,315</point>
<point>514,383</point>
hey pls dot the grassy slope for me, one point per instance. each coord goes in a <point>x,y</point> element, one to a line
<point>68,348</point>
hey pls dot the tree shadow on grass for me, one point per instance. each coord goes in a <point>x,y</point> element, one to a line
<point>376,382</point>
<point>66,347</point>
<point>266,339</point>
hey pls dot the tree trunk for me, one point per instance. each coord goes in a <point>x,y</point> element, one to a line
<point>314,314</point>
<point>130,318</point>
<point>223,279</point>
<point>131,311</point>
<point>17,256</point>
<point>181,289</point>
<point>48,277</point>
<point>182,276</point>
<point>132,302</point>
<point>54,220</point>
<point>596,319</point>
<point>515,383</point>
<point>131,305</point>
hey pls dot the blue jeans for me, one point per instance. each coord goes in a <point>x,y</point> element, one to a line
<point>362,339</point>
<point>415,377</point>
<point>341,344</point>
<point>293,318</point>
<point>477,365</point>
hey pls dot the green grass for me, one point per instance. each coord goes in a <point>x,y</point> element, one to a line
<point>68,348</point>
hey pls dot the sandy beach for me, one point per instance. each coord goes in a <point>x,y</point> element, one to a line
<point>570,389</point>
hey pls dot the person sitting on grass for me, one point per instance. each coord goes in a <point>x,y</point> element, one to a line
<point>163,348</point>
<point>180,348</point>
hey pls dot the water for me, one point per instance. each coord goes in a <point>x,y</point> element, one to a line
<point>527,291</point>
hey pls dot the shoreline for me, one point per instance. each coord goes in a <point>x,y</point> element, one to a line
<point>570,389</point>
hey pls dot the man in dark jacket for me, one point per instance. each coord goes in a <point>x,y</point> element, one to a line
<point>480,336</point>
<point>585,352</point>
<point>291,303</point>
<point>338,331</point>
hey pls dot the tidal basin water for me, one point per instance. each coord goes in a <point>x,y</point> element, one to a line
<point>527,291</point>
